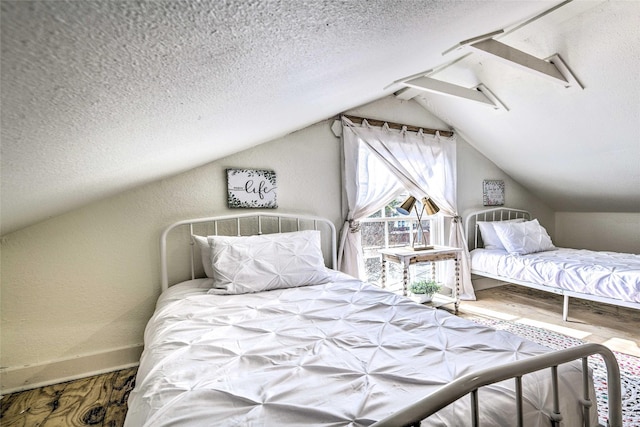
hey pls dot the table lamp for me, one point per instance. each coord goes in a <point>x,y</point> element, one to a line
<point>431,209</point>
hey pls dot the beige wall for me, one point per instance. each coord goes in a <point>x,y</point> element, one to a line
<point>78,289</point>
<point>474,168</point>
<point>618,232</point>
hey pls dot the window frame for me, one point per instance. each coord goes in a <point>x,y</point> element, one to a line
<point>436,229</point>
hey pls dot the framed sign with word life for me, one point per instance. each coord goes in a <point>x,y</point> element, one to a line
<point>249,188</point>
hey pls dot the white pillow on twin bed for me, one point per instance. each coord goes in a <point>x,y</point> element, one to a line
<point>489,237</point>
<point>523,238</point>
<point>270,261</point>
<point>205,253</point>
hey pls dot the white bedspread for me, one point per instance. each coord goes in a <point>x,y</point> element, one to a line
<point>339,354</point>
<point>608,274</point>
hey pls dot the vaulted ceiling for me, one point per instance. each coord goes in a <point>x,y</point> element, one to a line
<point>101,96</point>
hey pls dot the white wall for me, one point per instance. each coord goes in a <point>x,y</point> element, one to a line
<point>78,289</point>
<point>618,232</point>
<point>392,109</point>
<point>474,168</point>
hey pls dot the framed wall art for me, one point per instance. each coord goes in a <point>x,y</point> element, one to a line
<point>249,188</point>
<point>493,192</point>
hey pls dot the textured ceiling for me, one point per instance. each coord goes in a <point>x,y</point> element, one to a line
<point>101,96</point>
<point>579,150</point>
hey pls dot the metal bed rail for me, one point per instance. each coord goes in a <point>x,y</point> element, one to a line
<point>470,383</point>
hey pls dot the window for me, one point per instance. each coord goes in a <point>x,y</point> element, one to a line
<point>387,229</point>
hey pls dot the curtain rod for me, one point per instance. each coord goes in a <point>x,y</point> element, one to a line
<point>374,122</point>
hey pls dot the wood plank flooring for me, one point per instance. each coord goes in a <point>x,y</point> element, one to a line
<point>102,400</point>
<point>616,327</point>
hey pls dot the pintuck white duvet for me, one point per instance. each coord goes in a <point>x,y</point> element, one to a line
<point>342,353</point>
<point>607,274</point>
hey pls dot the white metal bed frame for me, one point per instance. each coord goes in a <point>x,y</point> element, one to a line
<point>468,384</point>
<point>243,226</point>
<point>474,241</point>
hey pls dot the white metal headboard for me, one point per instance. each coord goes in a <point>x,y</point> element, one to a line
<point>246,224</point>
<point>474,240</point>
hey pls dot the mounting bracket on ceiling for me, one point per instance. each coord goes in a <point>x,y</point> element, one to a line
<point>498,105</point>
<point>480,94</point>
<point>553,68</point>
<point>564,69</point>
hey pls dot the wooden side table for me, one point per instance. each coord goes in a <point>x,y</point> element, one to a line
<point>407,256</point>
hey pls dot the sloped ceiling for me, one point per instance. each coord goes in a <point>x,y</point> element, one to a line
<point>101,96</point>
<point>579,150</point>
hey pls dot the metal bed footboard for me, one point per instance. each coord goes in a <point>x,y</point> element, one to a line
<point>470,383</point>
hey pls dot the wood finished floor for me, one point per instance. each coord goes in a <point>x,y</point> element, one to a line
<point>102,400</point>
<point>616,327</point>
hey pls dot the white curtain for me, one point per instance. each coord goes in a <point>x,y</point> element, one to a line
<point>368,186</point>
<point>426,166</point>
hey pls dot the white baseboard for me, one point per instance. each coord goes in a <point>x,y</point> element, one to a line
<point>27,377</point>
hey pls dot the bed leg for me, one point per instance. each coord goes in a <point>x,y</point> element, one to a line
<point>565,308</point>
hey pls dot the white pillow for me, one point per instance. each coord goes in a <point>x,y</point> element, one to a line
<point>489,237</point>
<point>523,238</point>
<point>205,253</point>
<point>270,261</point>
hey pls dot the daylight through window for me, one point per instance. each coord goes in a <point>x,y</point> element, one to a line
<point>387,229</point>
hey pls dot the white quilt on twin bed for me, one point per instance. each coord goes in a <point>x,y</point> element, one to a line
<point>608,274</point>
<point>339,354</point>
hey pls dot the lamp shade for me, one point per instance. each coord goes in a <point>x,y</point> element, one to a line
<point>429,206</point>
<point>407,205</point>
